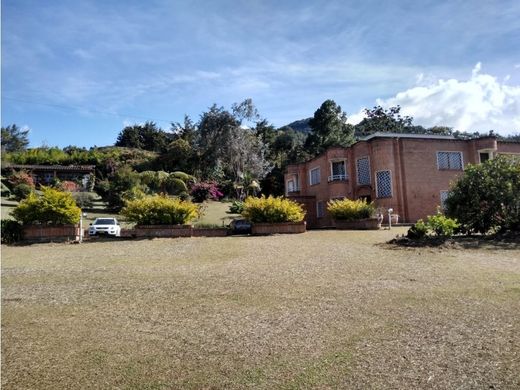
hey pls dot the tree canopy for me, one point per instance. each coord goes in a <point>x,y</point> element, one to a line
<point>14,139</point>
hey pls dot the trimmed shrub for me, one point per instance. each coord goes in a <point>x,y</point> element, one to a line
<point>160,210</point>
<point>12,231</point>
<point>486,197</point>
<point>175,186</point>
<point>350,210</point>
<point>52,207</point>
<point>236,207</point>
<point>272,210</point>
<point>205,190</point>
<point>22,191</point>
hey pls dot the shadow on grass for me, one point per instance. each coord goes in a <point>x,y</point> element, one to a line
<point>509,241</point>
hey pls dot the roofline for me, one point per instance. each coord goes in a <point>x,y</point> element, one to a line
<point>380,134</point>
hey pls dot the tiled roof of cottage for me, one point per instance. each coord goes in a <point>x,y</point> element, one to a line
<point>68,168</point>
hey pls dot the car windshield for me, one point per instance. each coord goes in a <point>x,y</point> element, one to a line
<point>105,221</point>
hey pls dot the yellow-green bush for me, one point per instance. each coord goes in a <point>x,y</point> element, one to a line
<point>272,210</point>
<point>52,207</point>
<point>160,210</point>
<point>350,210</point>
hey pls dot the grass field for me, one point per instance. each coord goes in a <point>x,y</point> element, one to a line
<point>325,309</point>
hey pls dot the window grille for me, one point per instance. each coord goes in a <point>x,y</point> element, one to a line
<point>384,184</point>
<point>363,171</point>
<point>315,176</point>
<point>449,160</point>
<point>443,197</point>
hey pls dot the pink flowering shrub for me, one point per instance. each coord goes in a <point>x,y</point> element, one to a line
<point>205,190</point>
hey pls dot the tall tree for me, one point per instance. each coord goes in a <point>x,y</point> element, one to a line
<point>379,119</point>
<point>14,139</point>
<point>147,137</point>
<point>329,128</point>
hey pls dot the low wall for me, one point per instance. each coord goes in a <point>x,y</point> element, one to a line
<point>46,233</point>
<point>278,228</point>
<point>151,231</point>
<point>210,232</point>
<point>362,224</point>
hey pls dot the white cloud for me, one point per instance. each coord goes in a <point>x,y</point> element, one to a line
<point>481,103</point>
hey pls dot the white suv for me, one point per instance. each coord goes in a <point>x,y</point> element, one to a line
<point>105,226</point>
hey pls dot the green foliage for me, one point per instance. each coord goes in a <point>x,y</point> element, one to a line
<point>52,207</point>
<point>160,210</point>
<point>350,210</point>
<point>147,137</point>
<point>379,119</point>
<point>441,225</point>
<point>272,210</point>
<point>84,199</point>
<point>22,191</point>
<point>486,197</point>
<point>236,207</point>
<point>329,128</point>
<point>417,231</point>
<point>14,139</point>
<point>438,225</point>
<point>12,231</point>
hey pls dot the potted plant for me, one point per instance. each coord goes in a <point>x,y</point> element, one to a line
<point>274,215</point>
<point>353,214</point>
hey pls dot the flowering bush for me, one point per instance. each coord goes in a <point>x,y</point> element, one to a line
<point>272,210</point>
<point>205,190</point>
<point>21,177</point>
<point>68,186</point>
<point>160,210</point>
<point>350,210</point>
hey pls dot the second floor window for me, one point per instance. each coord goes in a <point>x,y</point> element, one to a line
<point>338,171</point>
<point>363,171</point>
<point>449,160</point>
<point>314,176</point>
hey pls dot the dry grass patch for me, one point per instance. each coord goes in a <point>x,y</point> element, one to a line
<point>325,309</point>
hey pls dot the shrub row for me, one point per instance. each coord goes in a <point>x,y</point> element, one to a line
<point>350,210</point>
<point>272,210</point>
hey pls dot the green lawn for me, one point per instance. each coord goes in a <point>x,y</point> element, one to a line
<point>324,309</point>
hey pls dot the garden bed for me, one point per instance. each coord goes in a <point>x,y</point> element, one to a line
<point>278,228</point>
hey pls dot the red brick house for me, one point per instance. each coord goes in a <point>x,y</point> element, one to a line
<point>410,173</point>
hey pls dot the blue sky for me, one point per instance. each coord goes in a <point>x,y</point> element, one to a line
<point>77,72</point>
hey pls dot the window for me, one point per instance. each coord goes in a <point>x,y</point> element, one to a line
<point>384,184</point>
<point>320,209</point>
<point>484,156</point>
<point>443,197</point>
<point>363,171</point>
<point>314,175</point>
<point>338,171</point>
<point>290,186</point>
<point>449,160</point>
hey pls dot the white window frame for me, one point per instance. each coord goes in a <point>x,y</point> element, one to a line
<point>391,184</point>
<point>318,209</point>
<point>450,169</point>
<point>310,176</point>
<point>333,177</point>
<point>289,187</point>
<point>369,169</point>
